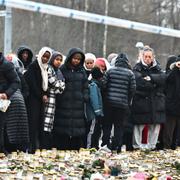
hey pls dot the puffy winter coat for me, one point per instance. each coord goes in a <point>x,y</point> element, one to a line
<point>119,83</point>
<point>148,106</point>
<point>70,116</point>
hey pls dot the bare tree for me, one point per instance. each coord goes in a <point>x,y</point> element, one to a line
<point>37,30</point>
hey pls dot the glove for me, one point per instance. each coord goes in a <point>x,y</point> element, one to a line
<point>62,85</point>
<point>147,78</point>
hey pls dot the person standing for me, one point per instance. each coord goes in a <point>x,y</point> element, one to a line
<point>69,123</point>
<point>95,109</point>
<point>88,65</point>
<point>119,86</point>
<point>56,86</point>
<point>172,125</point>
<point>148,105</point>
<point>36,77</point>
<point>16,127</point>
<point>9,83</point>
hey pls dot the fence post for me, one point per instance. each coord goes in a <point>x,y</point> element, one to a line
<point>8,31</point>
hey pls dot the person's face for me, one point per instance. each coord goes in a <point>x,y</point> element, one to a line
<point>148,57</point>
<point>57,61</point>
<point>45,57</point>
<point>89,63</point>
<point>76,59</point>
<point>24,55</point>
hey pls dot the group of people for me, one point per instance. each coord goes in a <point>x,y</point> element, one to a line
<point>82,100</point>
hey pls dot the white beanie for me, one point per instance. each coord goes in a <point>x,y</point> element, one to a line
<point>90,56</point>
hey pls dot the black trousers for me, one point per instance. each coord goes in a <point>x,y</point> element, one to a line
<point>127,140</point>
<point>97,132</point>
<point>65,142</point>
<point>35,117</point>
<point>114,116</point>
<point>171,132</point>
<point>46,140</point>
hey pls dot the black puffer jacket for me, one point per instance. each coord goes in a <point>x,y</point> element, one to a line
<point>148,105</point>
<point>9,80</point>
<point>69,116</point>
<point>119,83</point>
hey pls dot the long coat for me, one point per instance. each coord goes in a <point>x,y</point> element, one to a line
<point>69,115</point>
<point>35,105</point>
<point>148,106</point>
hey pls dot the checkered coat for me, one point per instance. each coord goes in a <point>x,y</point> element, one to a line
<point>55,86</point>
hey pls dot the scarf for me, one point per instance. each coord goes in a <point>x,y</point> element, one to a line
<point>44,66</point>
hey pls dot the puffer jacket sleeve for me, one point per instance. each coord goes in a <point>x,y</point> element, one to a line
<point>132,87</point>
<point>159,79</point>
<point>55,83</point>
<point>141,83</point>
<point>13,80</point>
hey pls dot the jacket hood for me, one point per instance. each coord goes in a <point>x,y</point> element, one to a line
<point>171,59</point>
<point>139,66</point>
<point>122,57</point>
<point>122,61</point>
<point>30,54</point>
<point>54,55</point>
<point>71,53</point>
<point>90,56</point>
